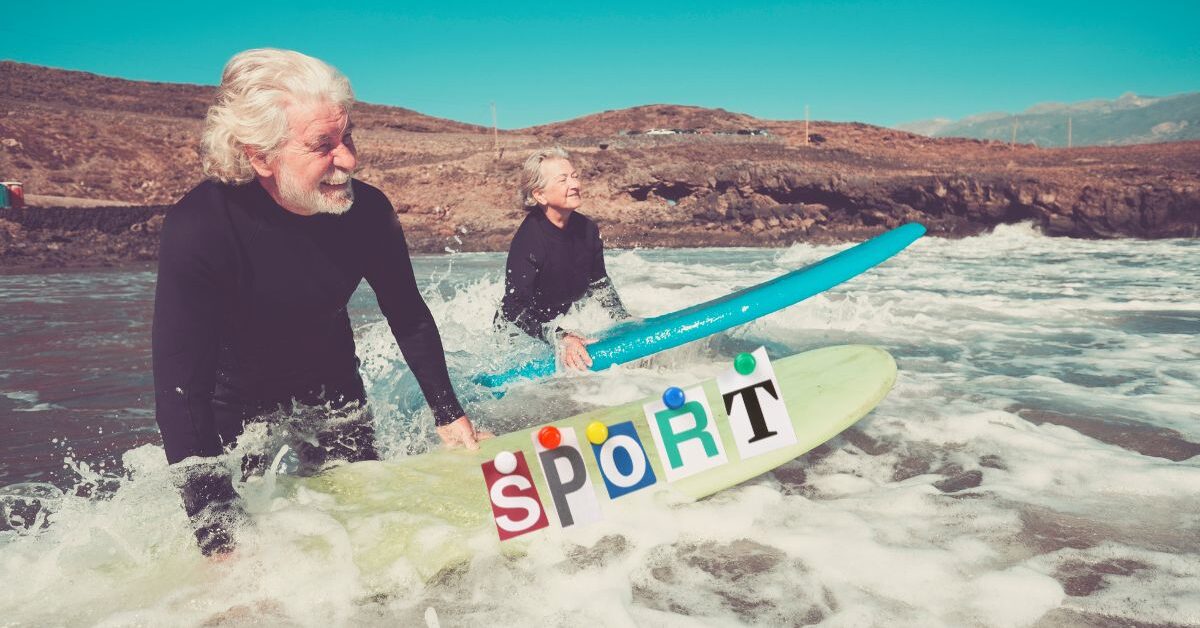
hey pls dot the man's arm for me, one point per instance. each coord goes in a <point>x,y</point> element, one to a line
<point>390,275</point>
<point>185,341</point>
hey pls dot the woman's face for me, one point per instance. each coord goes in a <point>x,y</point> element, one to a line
<point>562,189</point>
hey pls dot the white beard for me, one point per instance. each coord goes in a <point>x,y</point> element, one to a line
<point>317,201</point>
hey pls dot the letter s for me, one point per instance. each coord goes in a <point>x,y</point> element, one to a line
<point>530,505</point>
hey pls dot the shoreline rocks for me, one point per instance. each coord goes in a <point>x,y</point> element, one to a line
<point>760,207</point>
<point>703,177</point>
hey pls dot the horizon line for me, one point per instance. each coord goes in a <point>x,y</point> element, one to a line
<point>659,104</point>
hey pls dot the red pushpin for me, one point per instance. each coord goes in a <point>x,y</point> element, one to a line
<point>549,437</point>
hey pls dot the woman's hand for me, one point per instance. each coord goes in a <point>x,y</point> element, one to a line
<point>575,353</point>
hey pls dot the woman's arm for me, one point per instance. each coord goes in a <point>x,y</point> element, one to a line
<point>519,305</point>
<point>601,285</point>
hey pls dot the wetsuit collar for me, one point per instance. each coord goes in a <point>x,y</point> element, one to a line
<point>552,229</point>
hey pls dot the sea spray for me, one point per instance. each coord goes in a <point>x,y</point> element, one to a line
<point>1035,461</point>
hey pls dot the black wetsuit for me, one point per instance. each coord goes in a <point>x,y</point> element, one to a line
<point>250,319</point>
<point>549,269</point>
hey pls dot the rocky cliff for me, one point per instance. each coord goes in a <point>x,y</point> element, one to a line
<point>659,175</point>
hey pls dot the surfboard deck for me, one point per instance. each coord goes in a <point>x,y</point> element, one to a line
<point>638,339</point>
<point>433,509</point>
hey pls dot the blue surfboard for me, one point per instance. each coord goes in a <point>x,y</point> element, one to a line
<point>635,340</point>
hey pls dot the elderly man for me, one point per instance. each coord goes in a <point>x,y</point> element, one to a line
<point>256,267</point>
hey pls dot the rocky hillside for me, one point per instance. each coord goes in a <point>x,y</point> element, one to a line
<point>659,175</point>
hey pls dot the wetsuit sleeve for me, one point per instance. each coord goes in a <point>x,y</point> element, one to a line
<point>211,504</point>
<point>390,273</point>
<point>185,340</point>
<point>184,346</point>
<point>601,285</point>
<point>518,305</point>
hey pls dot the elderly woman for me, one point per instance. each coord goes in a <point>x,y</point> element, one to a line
<point>556,257</point>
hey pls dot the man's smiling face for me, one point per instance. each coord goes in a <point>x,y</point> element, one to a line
<point>311,172</point>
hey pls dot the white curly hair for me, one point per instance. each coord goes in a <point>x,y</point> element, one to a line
<point>251,109</point>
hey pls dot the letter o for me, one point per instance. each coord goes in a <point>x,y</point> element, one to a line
<point>608,463</point>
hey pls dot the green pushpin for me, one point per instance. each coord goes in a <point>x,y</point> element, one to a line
<point>744,363</point>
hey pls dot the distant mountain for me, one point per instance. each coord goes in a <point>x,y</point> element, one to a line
<point>1130,119</point>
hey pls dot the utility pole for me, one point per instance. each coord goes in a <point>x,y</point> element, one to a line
<point>806,125</point>
<point>1013,143</point>
<point>1068,131</point>
<point>495,133</point>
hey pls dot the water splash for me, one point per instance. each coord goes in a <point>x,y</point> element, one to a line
<point>1032,465</point>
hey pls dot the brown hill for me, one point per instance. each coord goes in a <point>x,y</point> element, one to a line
<point>719,182</point>
<point>68,89</point>
<point>77,134</point>
<point>639,120</point>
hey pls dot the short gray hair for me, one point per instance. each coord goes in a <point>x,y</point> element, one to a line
<point>251,109</point>
<point>531,175</point>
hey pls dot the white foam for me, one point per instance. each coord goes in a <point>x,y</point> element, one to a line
<point>983,328</point>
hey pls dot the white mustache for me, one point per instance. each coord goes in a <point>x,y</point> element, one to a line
<point>340,178</point>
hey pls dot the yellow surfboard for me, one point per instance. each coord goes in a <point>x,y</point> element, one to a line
<point>432,510</point>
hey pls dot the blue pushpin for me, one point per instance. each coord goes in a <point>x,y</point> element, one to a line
<point>673,398</point>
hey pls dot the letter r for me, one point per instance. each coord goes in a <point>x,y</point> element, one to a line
<point>671,440</point>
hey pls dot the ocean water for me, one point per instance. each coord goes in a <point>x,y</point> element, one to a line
<point>1036,464</point>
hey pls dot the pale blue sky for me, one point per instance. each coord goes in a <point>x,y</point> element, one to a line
<point>876,62</point>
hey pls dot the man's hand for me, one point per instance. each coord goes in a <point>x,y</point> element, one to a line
<point>575,353</point>
<point>462,433</point>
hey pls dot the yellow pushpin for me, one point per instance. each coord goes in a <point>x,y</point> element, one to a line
<point>597,433</point>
